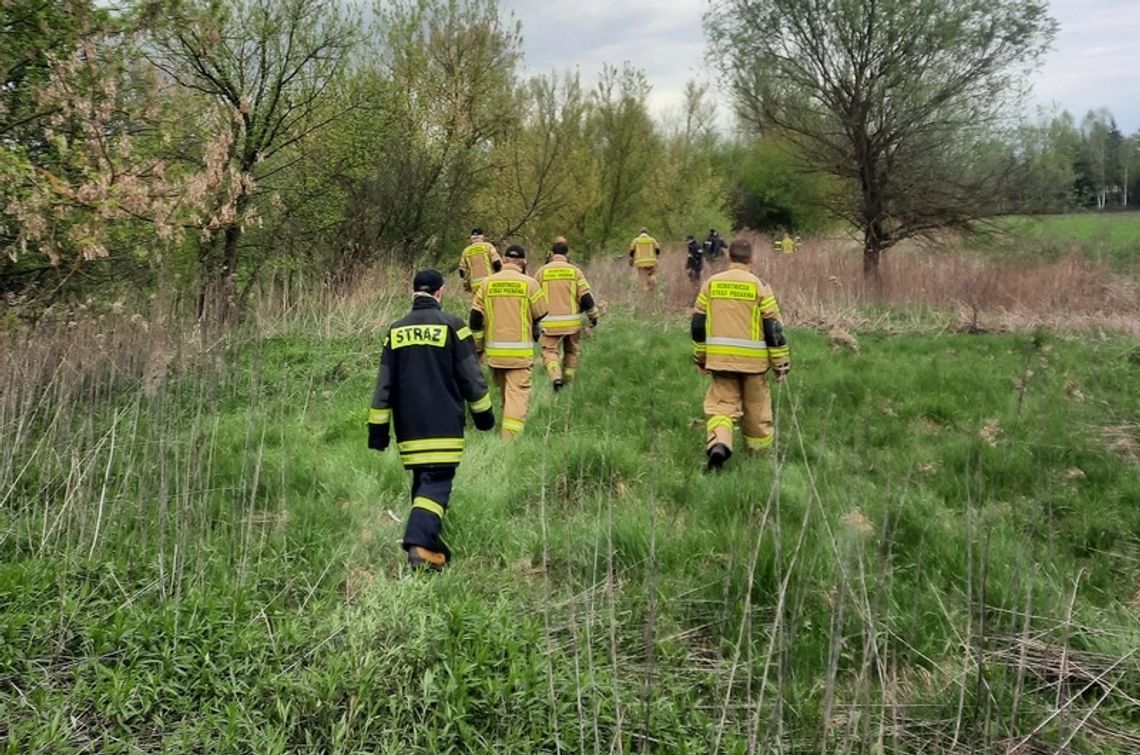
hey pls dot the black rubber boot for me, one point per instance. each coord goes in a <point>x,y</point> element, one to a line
<point>718,455</point>
<point>558,385</point>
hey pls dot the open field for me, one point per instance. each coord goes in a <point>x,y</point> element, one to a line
<point>1110,238</point>
<point>198,554</point>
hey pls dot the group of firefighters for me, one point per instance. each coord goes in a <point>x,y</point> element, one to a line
<point>430,367</point>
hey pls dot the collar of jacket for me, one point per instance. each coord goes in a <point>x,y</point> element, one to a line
<point>425,302</point>
<point>559,258</point>
<point>740,265</point>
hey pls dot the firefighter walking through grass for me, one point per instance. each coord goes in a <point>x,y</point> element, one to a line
<point>737,339</point>
<point>643,253</point>
<point>504,320</point>
<point>570,306</point>
<point>479,259</point>
<point>428,369</point>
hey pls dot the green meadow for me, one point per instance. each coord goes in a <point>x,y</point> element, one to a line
<point>1112,239</point>
<point>941,554</point>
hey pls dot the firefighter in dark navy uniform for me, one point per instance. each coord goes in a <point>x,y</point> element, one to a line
<point>428,370</point>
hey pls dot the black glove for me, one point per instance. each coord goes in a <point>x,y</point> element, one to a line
<point>378,436</point>
<point>484,421</point>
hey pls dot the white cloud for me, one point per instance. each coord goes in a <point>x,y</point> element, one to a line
<point>1092,64</point>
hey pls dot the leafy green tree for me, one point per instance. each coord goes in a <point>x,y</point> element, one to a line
<point>772,190</point>
<point>890,96</point>
<point>690,192</point>
<point>626,150</point>
<point>532,191</point>
<point>449,73</point>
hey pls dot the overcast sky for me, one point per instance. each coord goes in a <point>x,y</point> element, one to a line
<point>1093,62</point>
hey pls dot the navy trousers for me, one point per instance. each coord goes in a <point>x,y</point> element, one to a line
<point>431,490</point>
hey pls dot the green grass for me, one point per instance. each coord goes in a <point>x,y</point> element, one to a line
<point>874,582</point>
<point>1104,238</point>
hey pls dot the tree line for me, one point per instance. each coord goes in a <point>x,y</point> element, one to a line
<point>205,149</point>
<point>207,146</point>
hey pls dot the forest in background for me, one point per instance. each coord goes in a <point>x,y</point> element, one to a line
<point>205,149</point>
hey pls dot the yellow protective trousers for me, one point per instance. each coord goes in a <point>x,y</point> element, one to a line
<point>743,397</point>
<point>560,354</point>
<point>514,390</point>
<point>647,277</point>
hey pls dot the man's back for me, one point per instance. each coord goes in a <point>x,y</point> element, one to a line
<point>733,301</point>
<point>563,285</point>
<point>510,300</point>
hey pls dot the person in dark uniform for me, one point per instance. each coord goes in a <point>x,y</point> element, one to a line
<point>695,260</point>
<point>428,370</point>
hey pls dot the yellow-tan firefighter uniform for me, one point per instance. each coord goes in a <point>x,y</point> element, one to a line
<point>643,253</point>
<point>479,259</point>
<point>504,319</point>
<point>787,245</point>
<point>738,337</point>
<point>571,306</point>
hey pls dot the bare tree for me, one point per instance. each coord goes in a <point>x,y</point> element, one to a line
<point>892,96</point>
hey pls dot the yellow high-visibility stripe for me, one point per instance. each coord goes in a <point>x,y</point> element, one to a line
<point>430,444</point>
<point>759,444</point>
<point>509,353</point>
<point>481,404</point>
<point>464,332</point>
<point>514,425</point>
<point>560,324</point>
<point>436,457</point>
<point>379,416</point>
<point>777,352</point>
<point>698,347</point>
<point>569,372</point>
<point>719,420</point>
<point>736,351</point>
<point>552,366</point>
<point>428,504</point>
<point>702,301</point>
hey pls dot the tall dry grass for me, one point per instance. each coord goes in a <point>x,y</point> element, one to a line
<point>948,286</point>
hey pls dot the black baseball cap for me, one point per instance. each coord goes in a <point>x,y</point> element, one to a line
<point>427,281</point>
<point>515,252</point>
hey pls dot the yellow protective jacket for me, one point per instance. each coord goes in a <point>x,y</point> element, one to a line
<point>479,259</point>
<point>644,250</point>
<point>736,324</point>
<point>568,297</point>
<point>504,318</point>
